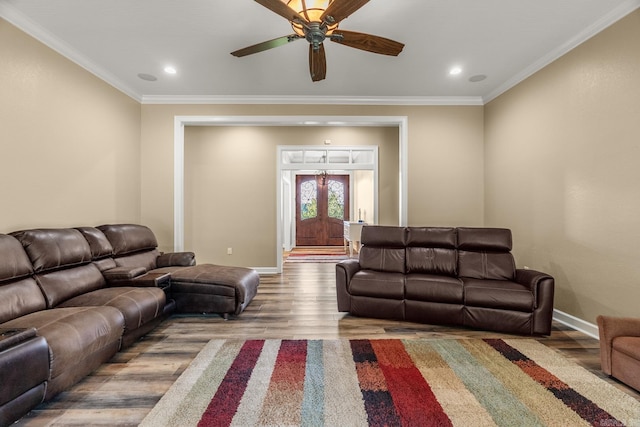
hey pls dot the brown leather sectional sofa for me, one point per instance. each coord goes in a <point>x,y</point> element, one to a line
<point>71,298</point>
<point>449,276</point>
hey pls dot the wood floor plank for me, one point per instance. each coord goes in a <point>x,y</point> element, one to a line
<point>298,304</point>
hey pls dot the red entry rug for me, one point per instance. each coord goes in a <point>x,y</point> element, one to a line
<point>317,254</point>
<point>316,257</point>
<point>420,382</point>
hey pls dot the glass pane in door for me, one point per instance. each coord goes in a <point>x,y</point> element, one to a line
<point>309,199</point>
<point>336,199</point>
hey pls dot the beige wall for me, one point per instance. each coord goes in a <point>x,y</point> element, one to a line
<point>562,170</point>
<point>70,143</point>
<point>445,163</point>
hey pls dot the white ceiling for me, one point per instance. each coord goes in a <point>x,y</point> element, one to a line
<point>506,40</point>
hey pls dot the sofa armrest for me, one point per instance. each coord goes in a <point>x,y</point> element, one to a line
<point>176,259</point>
<point>152,280</point>
<point>9,337</point>
<point>344,273</point>
<point>24,371</point>
<point>531,278</point>
<point>543,287</point>
<point>122,276</point>
<point>534,280</point>
<point>610,327</point>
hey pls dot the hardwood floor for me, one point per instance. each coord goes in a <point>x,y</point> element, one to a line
<point>299,304</point>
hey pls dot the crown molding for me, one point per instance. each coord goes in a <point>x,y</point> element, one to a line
<point>601,24</point>
<point>19,20</point>
<point>16,18</point>
<point>314,100</point>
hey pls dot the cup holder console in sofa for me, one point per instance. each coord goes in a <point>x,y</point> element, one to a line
<point>70,298</point>
<point>449,276</point>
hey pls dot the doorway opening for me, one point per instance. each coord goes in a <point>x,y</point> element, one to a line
<point>324,187</point>
<point>181,122</point>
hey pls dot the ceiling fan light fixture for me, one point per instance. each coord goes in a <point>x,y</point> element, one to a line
<point>315,21</point>
<point>312,10</point>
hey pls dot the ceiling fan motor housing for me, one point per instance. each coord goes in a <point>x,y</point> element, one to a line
<point>315,34</point>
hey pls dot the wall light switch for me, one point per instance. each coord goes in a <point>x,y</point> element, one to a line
<point>229,251</point>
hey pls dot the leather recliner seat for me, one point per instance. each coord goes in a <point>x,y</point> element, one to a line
<point>79,338</point>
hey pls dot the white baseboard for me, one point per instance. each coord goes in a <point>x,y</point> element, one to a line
<point>576,323</point>
<point>266,270</point>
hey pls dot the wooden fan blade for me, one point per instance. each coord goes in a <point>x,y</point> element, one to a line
<point>282,9</point>
<point>270,44</point>
<point>317,63</point>
<point>340,9</point>
<point>368,42</point>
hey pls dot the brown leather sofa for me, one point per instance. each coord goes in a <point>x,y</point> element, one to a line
<point>620,348</point>
<point>71,298</point>
<point>450,276</point>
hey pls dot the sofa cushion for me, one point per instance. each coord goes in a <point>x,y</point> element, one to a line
<point>14,261</point>
<point>483,253</point>
<point>627,345</point>
<point>499,294</point>
<point>176,259</point>
<point>79,338</point>
<point>390,260</point>
<point>129,238</point>
<point>19,298</point>
<point>431,250</point>
<point>484,239</point>
<point>432,261</point>
<point>61,285</point>
<point>434,288</point>
<point>19,293</point>
<point>378,284</point>
<point>147,260</point>
<point>385,236</point>
<point>383,249</point>
<point>98,242</point>
<point>137,305</point>
<point>486,265</point>
<point>432,237</point>
<point>52,249</point>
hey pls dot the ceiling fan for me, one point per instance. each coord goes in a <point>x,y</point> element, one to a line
<point>315,21</point>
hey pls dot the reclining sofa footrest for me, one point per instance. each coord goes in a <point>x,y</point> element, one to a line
<point>209,288</point>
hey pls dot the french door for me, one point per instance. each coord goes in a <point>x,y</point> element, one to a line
<point>322,204</point>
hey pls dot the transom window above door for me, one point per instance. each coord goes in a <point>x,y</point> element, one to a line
<point>337,157</point>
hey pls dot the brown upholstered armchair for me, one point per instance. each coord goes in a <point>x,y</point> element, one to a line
<point>620,348</point>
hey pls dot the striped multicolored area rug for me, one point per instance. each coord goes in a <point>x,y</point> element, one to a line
<point>515,382</point>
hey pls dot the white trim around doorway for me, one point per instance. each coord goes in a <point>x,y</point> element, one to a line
<point>401,122</point>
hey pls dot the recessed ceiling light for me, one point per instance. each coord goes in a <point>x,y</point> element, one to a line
<point>455,71</point>
<point>147,77</point>
<point>477,78</point>
<point>170,70</point>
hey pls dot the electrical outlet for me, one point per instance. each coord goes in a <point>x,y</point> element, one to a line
<point>229,251</point>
